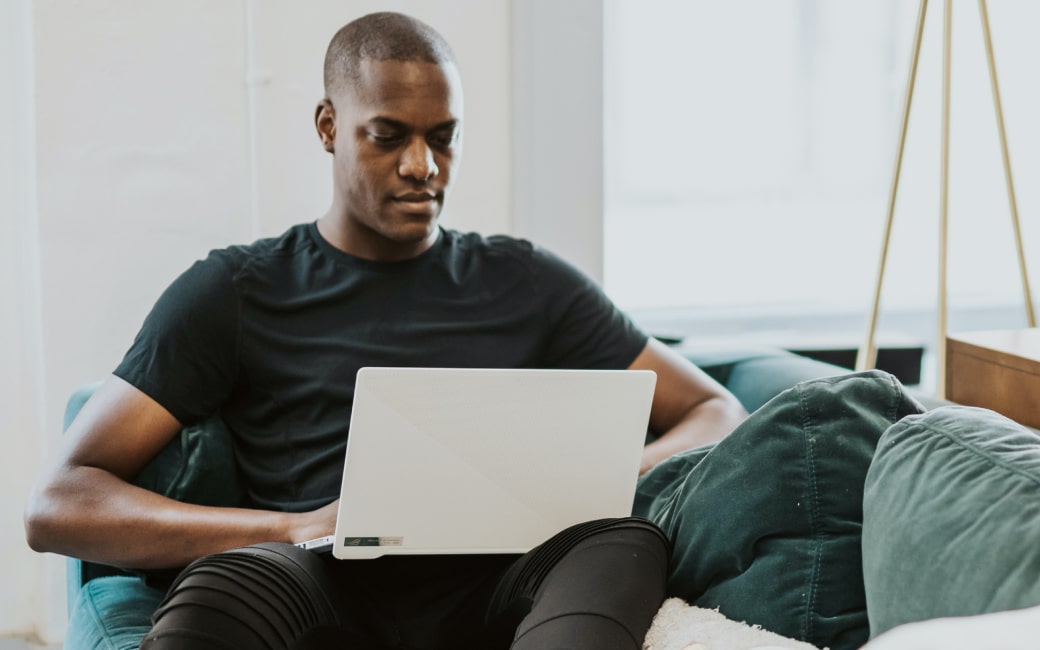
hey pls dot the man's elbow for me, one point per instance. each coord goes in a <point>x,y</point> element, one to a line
<point>730,413</point>
<point>35,523</point>
<point>42,518</point>
<point>735,408</point>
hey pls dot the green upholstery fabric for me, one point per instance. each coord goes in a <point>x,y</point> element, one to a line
<point>766,523</point>
<point>111,613</point>
<point>757,375</point>
<point>951,518</point>
<point>197,466</point>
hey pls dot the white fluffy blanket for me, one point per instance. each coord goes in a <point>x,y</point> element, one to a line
<point>679,626</point>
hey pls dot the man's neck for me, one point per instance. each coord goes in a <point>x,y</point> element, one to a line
<point>369,245</point>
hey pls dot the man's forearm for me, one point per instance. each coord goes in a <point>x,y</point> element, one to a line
<point>91,514</point>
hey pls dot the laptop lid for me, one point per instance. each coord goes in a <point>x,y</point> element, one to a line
<point>446,461</point>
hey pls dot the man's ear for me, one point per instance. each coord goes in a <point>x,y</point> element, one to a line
<point>325,123</point>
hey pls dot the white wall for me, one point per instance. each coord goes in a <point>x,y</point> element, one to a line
<point>21,363</point>
<point>558,126</point>
<point>156,132</point>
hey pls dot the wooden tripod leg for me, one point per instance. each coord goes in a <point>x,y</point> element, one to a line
<point>940,384</point>
<point>866,356</point>
<point>1030,314</point>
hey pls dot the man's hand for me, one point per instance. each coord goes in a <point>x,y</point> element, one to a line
<point>312,525</point>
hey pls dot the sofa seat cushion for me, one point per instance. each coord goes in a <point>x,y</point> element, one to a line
<point>766,524</point>
<point>951,521</point>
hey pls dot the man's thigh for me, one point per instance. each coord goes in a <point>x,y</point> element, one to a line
<point>261,596</point>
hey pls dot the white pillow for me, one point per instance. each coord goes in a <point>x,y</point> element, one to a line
<point>1017,629</point>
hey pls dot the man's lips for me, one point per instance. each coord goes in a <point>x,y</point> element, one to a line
<point>416,197</point>
<point>425,204</point>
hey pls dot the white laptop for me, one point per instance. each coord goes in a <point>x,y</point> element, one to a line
<point>447,460</point>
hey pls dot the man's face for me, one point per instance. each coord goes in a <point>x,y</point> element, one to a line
<point>396,141</point>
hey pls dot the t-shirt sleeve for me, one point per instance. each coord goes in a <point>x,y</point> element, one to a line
<point>586,329</point>
<point>185,355</point>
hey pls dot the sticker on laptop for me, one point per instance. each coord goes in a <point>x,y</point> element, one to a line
<point>373,541</point>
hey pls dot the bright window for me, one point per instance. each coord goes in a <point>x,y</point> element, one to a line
<point>750,147</point>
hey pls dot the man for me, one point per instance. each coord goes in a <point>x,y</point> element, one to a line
<point>271,336</point>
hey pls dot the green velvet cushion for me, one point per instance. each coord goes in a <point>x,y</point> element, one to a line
<point>766,524</point>
<point>951,521</point>
<point>198,466</point>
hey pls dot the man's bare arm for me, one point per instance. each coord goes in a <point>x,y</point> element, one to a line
<point>689,408</point>
<point>85,506</point>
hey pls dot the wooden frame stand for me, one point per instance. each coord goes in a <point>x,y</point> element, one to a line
<point>867,354</point>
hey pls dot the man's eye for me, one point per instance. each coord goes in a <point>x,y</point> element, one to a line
<point>385,138</point>
<point>443,139</point>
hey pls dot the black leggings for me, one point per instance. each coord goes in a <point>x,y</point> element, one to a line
<point>594,585</point>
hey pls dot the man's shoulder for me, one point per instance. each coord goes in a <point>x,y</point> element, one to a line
<point>478,245</point>
<point>278,250</point>
<point>286,244</point>
<point>510,249</point>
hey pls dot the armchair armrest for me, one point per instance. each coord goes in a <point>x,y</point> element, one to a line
<point>757,375</point>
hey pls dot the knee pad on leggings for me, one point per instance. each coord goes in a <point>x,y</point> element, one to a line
<point>595,585</point>
<point>262,596</point>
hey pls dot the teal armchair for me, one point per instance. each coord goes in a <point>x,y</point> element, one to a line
<point>110,607</point>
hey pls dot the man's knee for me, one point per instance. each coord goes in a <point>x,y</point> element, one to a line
<point>265,595</point>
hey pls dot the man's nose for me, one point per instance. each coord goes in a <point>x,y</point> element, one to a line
<point>417,161</point>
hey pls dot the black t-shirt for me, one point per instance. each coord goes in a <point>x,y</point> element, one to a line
<point>271,336</point>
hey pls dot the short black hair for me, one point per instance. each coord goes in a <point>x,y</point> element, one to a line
<point>382,36</point>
